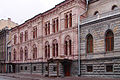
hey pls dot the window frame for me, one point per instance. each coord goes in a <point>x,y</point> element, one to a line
<point>109,41</point>
<point>89,44</point>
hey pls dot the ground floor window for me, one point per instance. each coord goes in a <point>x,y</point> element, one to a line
<point>34,68</point>
<point>89,68</point>
<point>25,67</point>
<point>54,68</point>
<point>21,67</point>
<point>109,68</point>
<point>46,68</point>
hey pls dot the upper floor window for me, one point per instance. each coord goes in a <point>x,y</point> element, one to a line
<point>68,19</point>
<point>89,43</point>
<point>55,25</point>
<point>47,28</point>
<point>55,48</point>
<point>21,37</point>
<point>34,32</point>
<point>47,50</point>
<point>34,52</point>
<point>68,46</point>
<point>21,54</point>
<point>96,13</point>
<point>26,53</point>
<point>109,40</point>
<point>15,39</point>
<point>114,7</point>
<point>14,54</point>
<point>26,35</point>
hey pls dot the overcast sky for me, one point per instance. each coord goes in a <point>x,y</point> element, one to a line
<point>22,10</point>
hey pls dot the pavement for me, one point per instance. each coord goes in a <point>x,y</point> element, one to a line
<point>18,76</point>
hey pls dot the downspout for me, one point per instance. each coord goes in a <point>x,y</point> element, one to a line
<point>79,38</point>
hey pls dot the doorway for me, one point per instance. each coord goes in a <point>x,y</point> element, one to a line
<point>67,69</point>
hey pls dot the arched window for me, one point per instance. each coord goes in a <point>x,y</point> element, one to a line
<point>47,50</point>
<point>34,32</point>
<point>114,7</point>
<point>34,52</point>
<point>57,23</point>
<point>109,40</point>
<point>14,55</point>
<point>26,53</point>
<point>55,48</point>
<point>21,37</point>
<point>66,21</point>
<point>26,35</point>
<point>48,27</point>
<point>70,20</point>
<point>53,26</point>
<point>89,43</point>
<point>21,54</point>
<point>96,13</point>
<point>15,39</point>
<point>68,46</point>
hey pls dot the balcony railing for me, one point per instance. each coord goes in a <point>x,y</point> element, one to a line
<point>100,16</point>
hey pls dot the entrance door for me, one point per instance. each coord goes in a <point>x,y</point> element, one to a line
<point>13,68</point>
<point>67,69</point>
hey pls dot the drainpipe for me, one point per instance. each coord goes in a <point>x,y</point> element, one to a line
<point>79,38</point>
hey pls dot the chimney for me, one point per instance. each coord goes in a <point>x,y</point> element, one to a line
<point>9,19</point>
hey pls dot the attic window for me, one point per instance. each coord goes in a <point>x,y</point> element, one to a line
<point>96,13</point>
<point>114,7</point>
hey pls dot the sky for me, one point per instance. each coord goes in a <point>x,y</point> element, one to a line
<point>21,10</point>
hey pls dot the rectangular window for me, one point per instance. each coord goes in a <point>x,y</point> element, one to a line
<point>34,68</point>
<point>109,68</point>
<point>21,67</point>
<point>46,68</point>
<point>54,68</point>
<point>90,68</point>
<point>25,67</point>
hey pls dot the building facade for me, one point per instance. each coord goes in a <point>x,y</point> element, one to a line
<point>5,26</point>
<point>47,43</point>
<point>100,35</point>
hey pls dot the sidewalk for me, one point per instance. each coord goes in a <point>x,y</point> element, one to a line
<point>19,76</point>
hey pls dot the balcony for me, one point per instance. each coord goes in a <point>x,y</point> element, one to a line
<point>100,16</point>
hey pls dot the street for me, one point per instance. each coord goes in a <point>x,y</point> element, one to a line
<point>38,77</point>
<point>6,78</point>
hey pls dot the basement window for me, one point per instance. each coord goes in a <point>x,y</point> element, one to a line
<point>54,68</point>
<point>109,68</point>
<point>34,68</point>
<point>21,67</point>
<point>25,67</point>
<point>90,68</point>
<point>46,68</point>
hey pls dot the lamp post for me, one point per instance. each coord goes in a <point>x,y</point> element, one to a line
<point>79,38</point>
